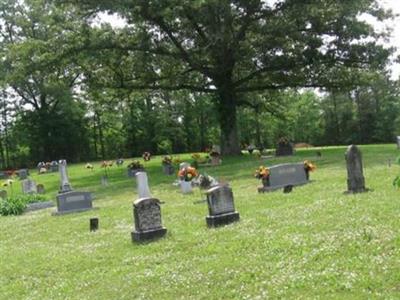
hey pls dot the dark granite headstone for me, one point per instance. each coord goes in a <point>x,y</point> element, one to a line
<point>29,186</point>
<point>70,202</point>
<point>355,177</point>
<point>283,175</point>
<point>147,215</point>
<point>94,224</point>
<point>284,148</point>
<point>221,207</point>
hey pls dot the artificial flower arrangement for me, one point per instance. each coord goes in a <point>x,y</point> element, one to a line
<point>263,174</point>
<point>135,165</point>
<point>187,174</point>
<point>199,159</point>
<point>309,167</point>
<point>146,156</point>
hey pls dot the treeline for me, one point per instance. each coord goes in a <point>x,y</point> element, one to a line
<point>76,90</point>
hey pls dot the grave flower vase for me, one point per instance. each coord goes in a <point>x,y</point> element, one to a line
<point>186,187</point>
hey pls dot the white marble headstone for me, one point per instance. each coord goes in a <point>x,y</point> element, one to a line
<point>142,185</point>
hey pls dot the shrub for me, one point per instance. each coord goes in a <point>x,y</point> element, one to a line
<point>16,205</point>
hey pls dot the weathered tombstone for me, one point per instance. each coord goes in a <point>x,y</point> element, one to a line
<point>221,206</point>
<point>40,189</point>
<point>398,141</point>
<point>23,174</point>
<point>3,194</point>
<point>284,148</point>
<point>104,181</point>
<point>94,224</point>
<point>142,185</point>
<point>355,177</point>
<point>168,169</point>
<point>284,175</point>
<point>72,201</point>
<point>54,166</point>
<point>147,216</point>
<point>65,186</point>
<point>29,186</point>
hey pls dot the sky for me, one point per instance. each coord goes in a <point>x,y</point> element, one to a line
<point>394,40</point>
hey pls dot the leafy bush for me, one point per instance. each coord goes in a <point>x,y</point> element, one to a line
<point>17,204</point>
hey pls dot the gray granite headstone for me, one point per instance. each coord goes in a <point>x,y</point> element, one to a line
<point>3,194</point>
<point>54,166</point>
<point>284,175</point>
<point>221,207</point>
<point>23,174</point>
<point>148,224</point>
<point>355,176</point>
<point>398,141</point>
<point>65,186</point>
<point>168,169</point>
<point>73,201</point>
<point>40,189</point>
<point>29,186</point>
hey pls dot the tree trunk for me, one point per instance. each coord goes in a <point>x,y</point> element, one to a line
<point>227,109</point>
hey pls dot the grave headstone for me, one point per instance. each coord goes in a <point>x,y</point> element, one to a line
<point>40,189</point>
<point>147,216</point>
<point>104,181</point>
<point>398,141</point>
<point>54,166</point>
<point>3,175</point>
<point>119,162</point>
<point>3,194</point>
<point>284,148</point>
<point>221,206</point>
<point>65,186</point>
<point>29,186</point>
<point>168,169</point>
<point>94,224</point>
<point>142,185</point>
<point>73,201</point>
<point>23,174</point>
<point>283,175</point>
<point>355,176</point>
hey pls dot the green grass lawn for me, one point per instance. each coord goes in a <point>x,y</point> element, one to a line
<point>315,242</point>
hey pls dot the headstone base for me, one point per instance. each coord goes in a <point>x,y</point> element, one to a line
<point>219,220</point>
<point>364,190</point>
<point>39,205</point>
<point>141,236</point>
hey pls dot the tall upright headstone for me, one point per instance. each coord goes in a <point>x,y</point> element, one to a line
<point>65,186</point>
<point>142,185</point>
<point>355,176</point>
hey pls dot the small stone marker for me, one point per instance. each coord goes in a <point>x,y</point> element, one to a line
<point>355,177</point>
<point>29,186</point>
<point>142,185</point>
<point>168,169</point>
<point>23,174</point>
<point>147,216</point>
<point>221,206</point>
<point>3,194</point>
<point>94,224</point>
<point>40,189</point>
<point>284,175</point>
<point>104,181</point>
<point>398,141</point>
<point>65,186</point>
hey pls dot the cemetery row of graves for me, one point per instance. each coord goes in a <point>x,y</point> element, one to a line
<point>206,220</point>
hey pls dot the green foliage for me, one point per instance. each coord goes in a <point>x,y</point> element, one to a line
<point>15,205</point>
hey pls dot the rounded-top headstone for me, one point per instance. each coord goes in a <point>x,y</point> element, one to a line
<point>355,176</point>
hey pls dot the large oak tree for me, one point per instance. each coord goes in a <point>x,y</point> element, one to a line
<point>231,48</point>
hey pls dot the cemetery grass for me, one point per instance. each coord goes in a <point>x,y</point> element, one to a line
<point>315,242</point>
